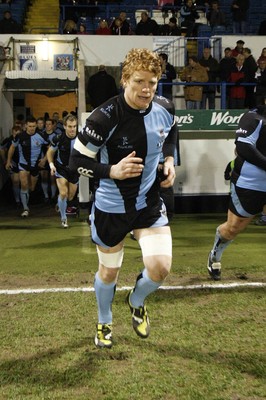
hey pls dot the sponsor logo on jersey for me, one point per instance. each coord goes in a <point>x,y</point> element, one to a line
<point>85,172</point>
<point>125,144</point>
<point>92,134</point>
<point>240,130</point>
<point>106,111</point>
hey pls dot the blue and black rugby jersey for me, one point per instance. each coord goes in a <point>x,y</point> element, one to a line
<point>48,137</point>
<point>63,145</point>
<point>5,145</point>
<point>250,164</point>
<point>29,147</point>
<point>111,133</point>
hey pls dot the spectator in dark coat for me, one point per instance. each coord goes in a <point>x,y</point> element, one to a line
<point>225,67</point>
<point>226,64</point>
<point>215,16</point>
<point>239,9</point>
<point>171,29</point>
<point>8,24</point>
<point>125,29</point>
<point>260,78</point>
<point>188,17</point>
<point>146,26</point>
<point>250,66</point>
<point>212,67</point>
<point>168,75</point>
<point>101,87</point>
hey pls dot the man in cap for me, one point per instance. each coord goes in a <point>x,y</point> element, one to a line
<point>239,48</point>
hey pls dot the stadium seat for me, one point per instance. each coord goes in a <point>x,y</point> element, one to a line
<point>204,31</point>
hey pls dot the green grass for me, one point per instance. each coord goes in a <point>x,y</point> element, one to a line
<point>205,344</point>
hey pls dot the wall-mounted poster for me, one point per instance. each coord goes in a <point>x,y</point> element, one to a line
<point>27,62</point>
<point>63,62</point>
<point>27,49</point>
<point>27,58</point>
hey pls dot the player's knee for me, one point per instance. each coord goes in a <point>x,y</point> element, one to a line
<point>157,255</point>
<point>108,275</point>
<point>232,230</point>
<point>158,267</point>
<point>111,260</point>
<point>63,194</point>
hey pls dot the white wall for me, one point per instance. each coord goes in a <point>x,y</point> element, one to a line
<point>203,162</point>
<point>111,50</point>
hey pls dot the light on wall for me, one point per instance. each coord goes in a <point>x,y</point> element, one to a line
<point>45,49</point>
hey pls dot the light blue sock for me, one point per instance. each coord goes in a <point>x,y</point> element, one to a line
<point>16,192</point>
<point>45,189</point>
<point>24,197</point>
<point>53,190</point>
<point>144,286</point>
<point>219,246</point>
<point>104,296</point>
<point>263,217</point>
<point>62,204</point>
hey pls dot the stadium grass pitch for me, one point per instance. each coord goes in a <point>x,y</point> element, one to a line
<point>204,344</point>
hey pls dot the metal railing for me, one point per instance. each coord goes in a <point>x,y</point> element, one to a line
<point>223,86</point>
<point>44,28</point>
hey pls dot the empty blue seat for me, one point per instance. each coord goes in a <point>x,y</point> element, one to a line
<point>219,30</point>
<point>204,31</point>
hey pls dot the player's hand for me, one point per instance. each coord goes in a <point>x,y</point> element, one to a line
<point>41,163</point>
<point>52,168</point>
<point>169,173</point>
<point>8,165</point>
<point>129,167</point>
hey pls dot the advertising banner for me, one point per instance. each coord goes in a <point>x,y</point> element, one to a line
<point>208,120</point>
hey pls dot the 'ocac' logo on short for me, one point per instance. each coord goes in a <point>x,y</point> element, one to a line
<point>85,172</point>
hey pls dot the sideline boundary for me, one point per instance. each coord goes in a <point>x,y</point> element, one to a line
<point>124,288</point>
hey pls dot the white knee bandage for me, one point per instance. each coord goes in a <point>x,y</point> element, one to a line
<point>111,260</point>
<point>156,245</point>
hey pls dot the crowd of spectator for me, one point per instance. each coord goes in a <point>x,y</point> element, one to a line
<point>187,14</point>
<point>245,78</point>
<point>180,17</point>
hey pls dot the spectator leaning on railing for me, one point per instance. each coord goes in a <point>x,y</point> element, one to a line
<point>237,76</point>
<point>193,72</point>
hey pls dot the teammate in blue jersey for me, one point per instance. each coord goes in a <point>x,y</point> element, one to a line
<point>248,184</point>
<point>58,156</point>
<point>121,146</point>
<point>48,181</point>
<point>29,144</point>
<point>13,170</point>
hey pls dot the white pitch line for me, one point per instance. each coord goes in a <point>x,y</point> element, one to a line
<point>124,288</point>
